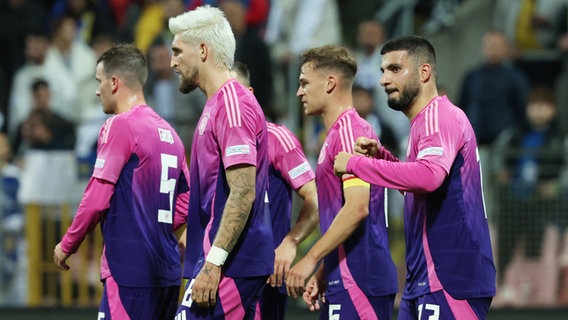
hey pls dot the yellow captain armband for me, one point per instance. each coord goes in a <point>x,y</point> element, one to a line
<point>350,180</point>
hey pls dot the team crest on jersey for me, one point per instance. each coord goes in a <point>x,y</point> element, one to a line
<point>166,136</point>
<point>322,153</point>
<point>203,123</point>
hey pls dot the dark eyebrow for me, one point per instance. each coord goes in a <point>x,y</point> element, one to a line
<point>390,66</point>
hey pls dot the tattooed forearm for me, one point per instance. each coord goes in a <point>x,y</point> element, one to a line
<point>241,180</point>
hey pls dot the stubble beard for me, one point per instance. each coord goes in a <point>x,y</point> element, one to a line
<point>187,85</point>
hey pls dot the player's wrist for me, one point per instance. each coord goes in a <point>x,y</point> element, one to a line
<point>217,256</point>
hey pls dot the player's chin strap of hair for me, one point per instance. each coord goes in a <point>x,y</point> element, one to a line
<point>217,256</point>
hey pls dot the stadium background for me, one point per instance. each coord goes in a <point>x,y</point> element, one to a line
<point>457,46</point>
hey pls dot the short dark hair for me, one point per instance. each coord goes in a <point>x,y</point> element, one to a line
<point>420,49</point>
<point>126,61</point>
<point>39,83</point>
<point>358,87</point>
<point>242,70</point>
<point>332,57</point>
<point>543,94</point>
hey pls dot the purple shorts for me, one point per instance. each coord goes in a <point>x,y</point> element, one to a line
<point>120,303</point>
<point>345,306</point>
<point>272,304</point>
<point>236,299</point>
<point>440,305</point>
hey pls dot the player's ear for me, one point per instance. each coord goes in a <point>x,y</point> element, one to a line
<point>330,83</point>
<point>114,83</point>
<point>425,72</point>
<point>204,52</point>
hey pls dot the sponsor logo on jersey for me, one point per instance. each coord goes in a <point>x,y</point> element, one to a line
<point>236,150</point>
<point>435,151</point>
<point>299,170</point>
<point>99,163</point>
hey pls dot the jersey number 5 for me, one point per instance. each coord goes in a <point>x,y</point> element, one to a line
<point>167,186</point>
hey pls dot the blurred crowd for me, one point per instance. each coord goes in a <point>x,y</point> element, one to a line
<point>50,116</point>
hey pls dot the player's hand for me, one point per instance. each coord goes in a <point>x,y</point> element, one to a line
<point>206,284</point>
<point>298,275</point>
<point>284,255</point>
<point>60,258</point>
<point>314,292</point>
<point>340,164</point>
<point>366,147</point>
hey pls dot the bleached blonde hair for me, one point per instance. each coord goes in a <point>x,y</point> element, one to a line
<point>207,25</point>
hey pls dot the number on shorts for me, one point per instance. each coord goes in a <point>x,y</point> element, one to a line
<point>431,307</point>
<point>186,301</point>
<point>332,309</point>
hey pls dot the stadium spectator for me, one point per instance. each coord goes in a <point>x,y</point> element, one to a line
<point>45,129</point>
<point>12,248</point>
<point>256,10</point>
<point>449,260</point>
<point>493,95</point>
<point>37,66</point>
<point>93,19</point>
<point>76,62</point>
<point>171,8</point>
<point>537,29</point>
<point>229,253</point>
<point>18,19</point>
<point>138,192</point>
<point>530,162</point>
<point>352,213</point>
<point>292,27</point>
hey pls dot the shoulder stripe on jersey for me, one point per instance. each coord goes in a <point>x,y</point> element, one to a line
<point>282,136</point>
<point>431,120</point>
<point>232,106</point>
<point>346,134</point>
<point>106,132</point>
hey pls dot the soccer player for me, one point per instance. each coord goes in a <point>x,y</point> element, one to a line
<point>451,274</point>
<point>289,170</point>
<point>229,252</point>
<point>139,176</point>
<point>358,274</point>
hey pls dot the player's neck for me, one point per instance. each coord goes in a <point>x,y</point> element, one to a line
<point>130,100</point>
<point>214,80</point>
<point>420,103</point>
<point>332,112</point>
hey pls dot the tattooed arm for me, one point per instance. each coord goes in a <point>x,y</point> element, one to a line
<point>241,180</point>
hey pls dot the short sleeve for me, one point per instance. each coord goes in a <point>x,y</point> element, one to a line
<point>237,124</point>
<point>288,157</point>
<point>114,149</point>
<point>441,139</point>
